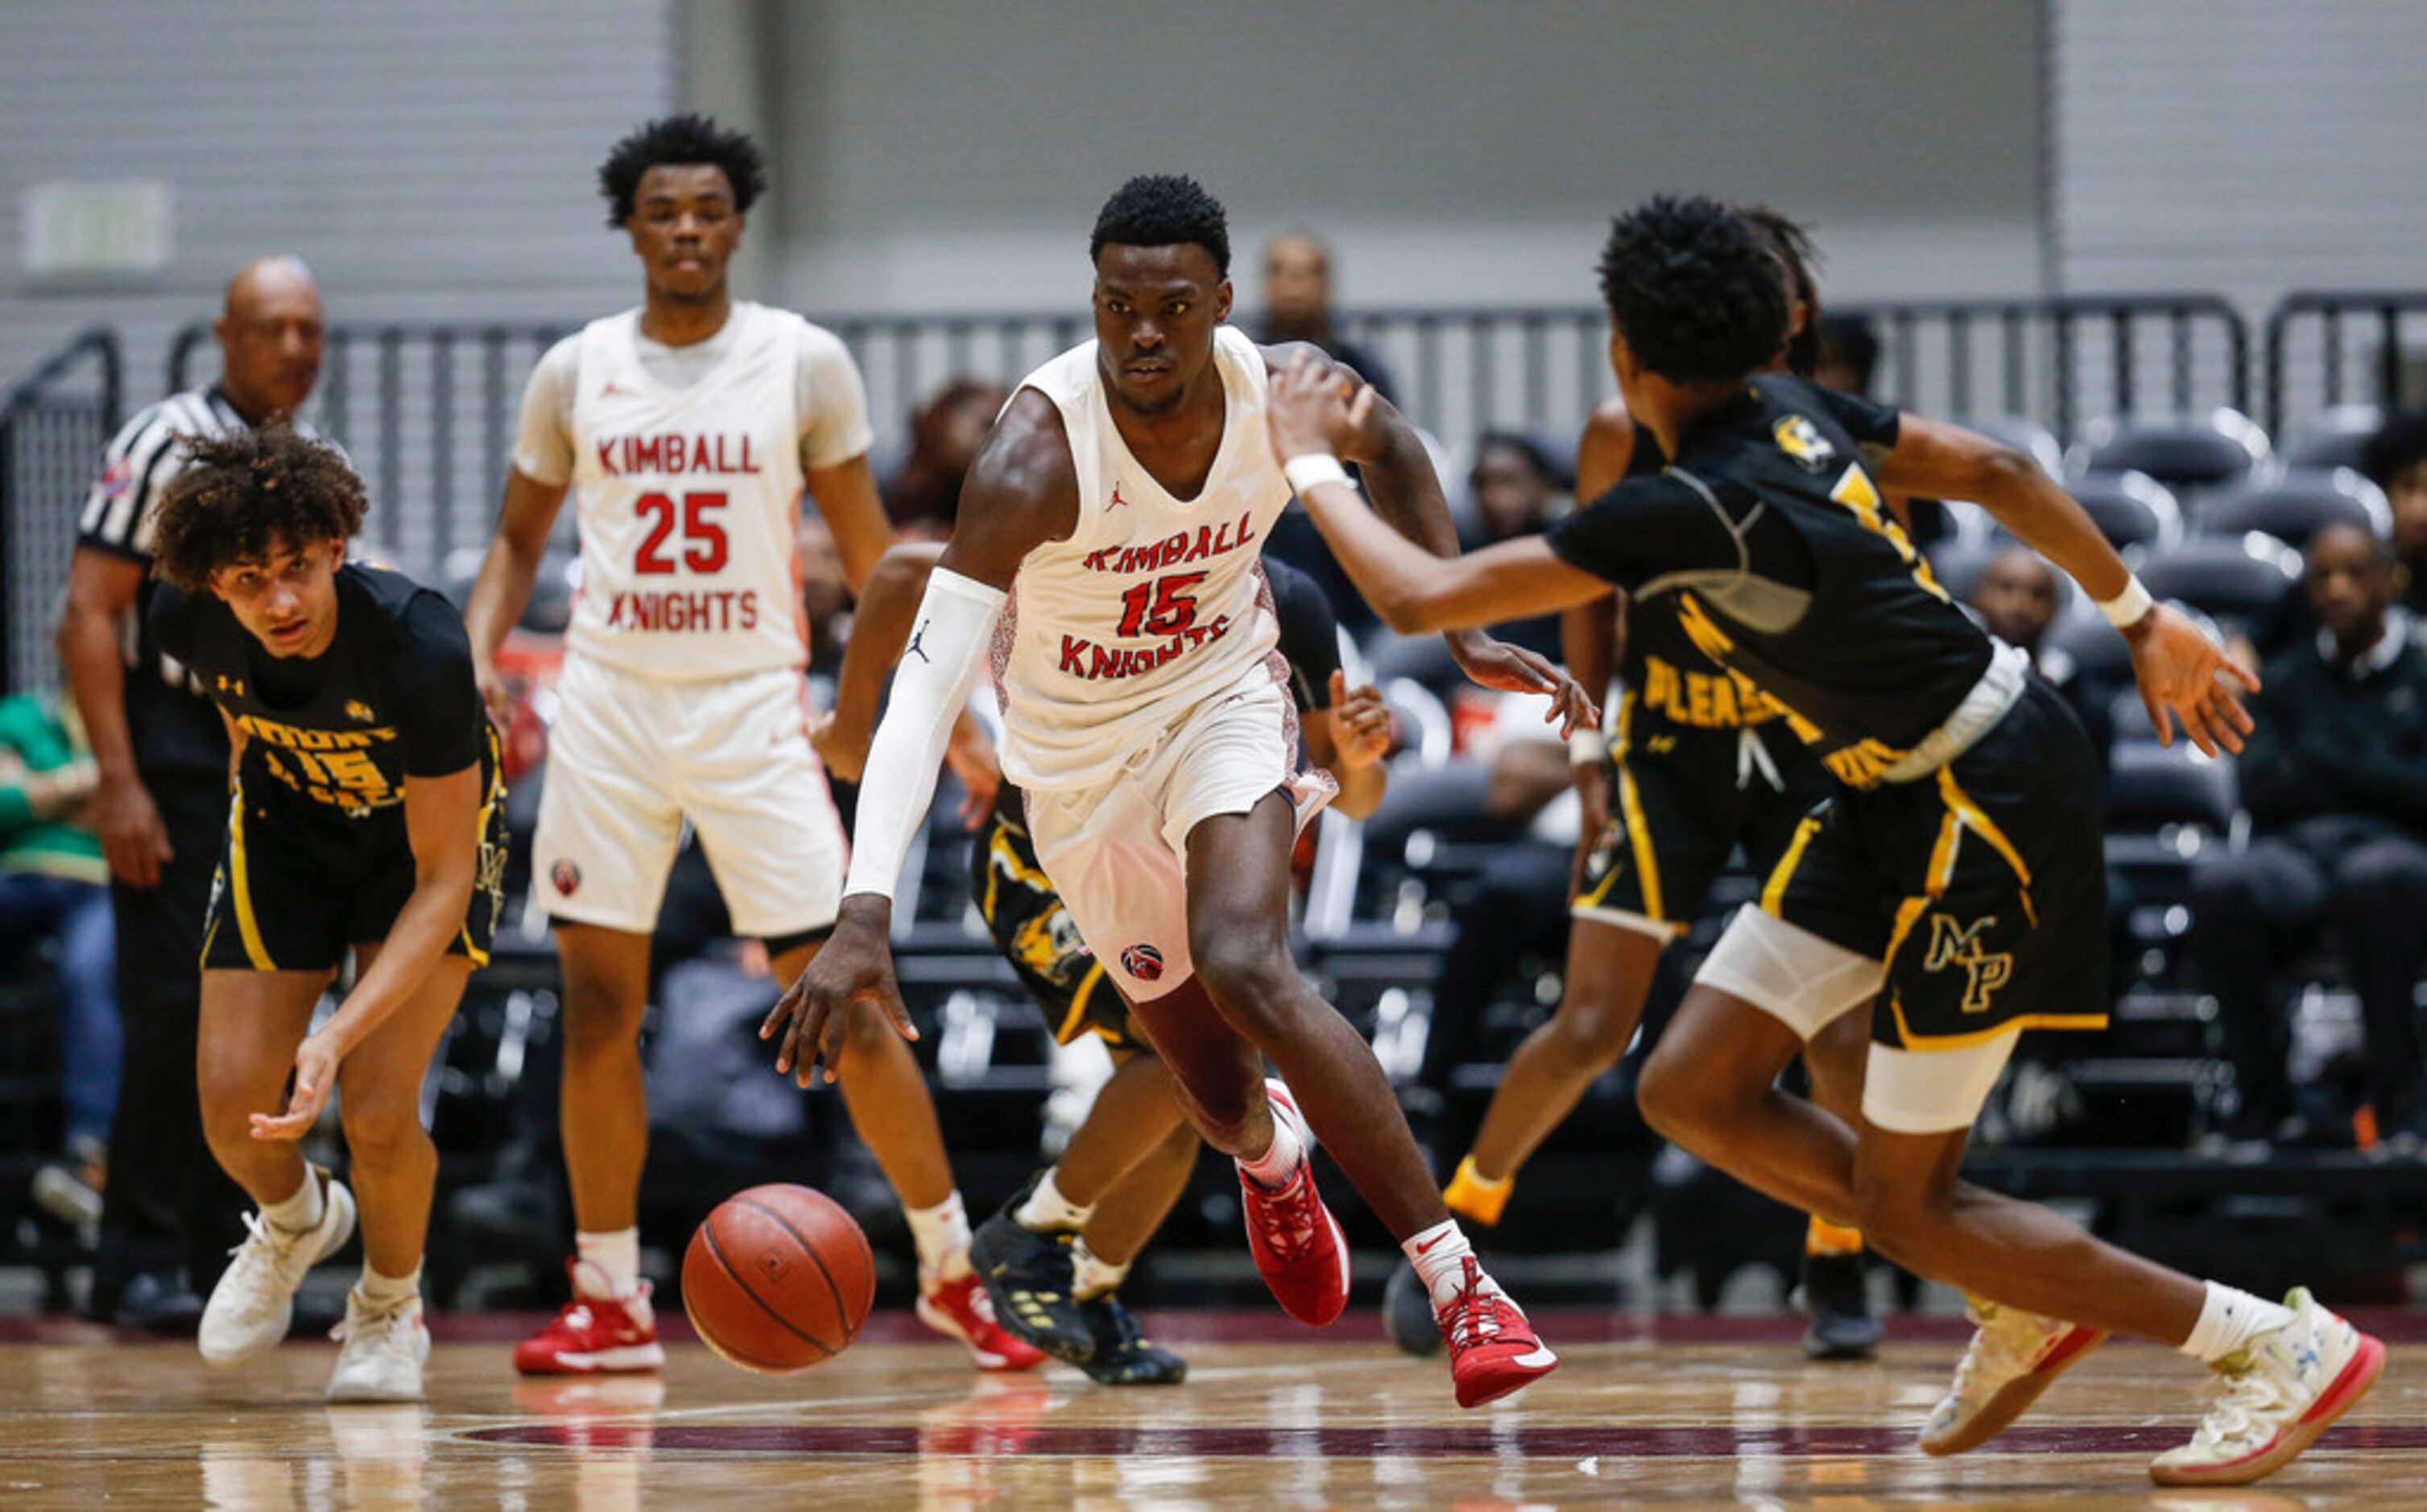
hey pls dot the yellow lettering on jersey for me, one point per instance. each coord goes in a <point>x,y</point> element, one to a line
<point>1856,491</point>
<point>1860,765</point>
<point>1707,637</point>
<point>334,766</point>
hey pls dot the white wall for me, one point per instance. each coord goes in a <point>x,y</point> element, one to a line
<point>432,158</point>
<point>944,155</point>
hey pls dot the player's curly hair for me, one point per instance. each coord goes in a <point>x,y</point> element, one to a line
<point>1790,242</point>
<point>1163,210</point>
<point>242,493</point>
<point>1694,288</point>
<point>686,139</point>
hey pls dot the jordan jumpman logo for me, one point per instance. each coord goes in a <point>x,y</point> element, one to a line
<point>915,649</point>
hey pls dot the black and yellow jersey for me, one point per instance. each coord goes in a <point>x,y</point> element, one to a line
<point>339,734</point>
<point>1772,542</point>
<point>1672,681</point>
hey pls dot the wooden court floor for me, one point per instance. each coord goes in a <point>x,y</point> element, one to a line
<point>1667,1414</point>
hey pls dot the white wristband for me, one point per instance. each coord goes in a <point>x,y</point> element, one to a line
<point>1586,748</point>
<point>2125,609</point>
<point>1308,468</point>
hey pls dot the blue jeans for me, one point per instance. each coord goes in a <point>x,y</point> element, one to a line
<point>77,914</point>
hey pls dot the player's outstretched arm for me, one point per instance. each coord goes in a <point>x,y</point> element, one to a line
<point>1021,492</point>
<point>1313,426</point>
<point>888,602</point>
<point>1406,492</point>
<point>506,573</point>
<point>2182,673</point>
<point>442,821</point>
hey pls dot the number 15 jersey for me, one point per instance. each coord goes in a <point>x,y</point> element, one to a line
<point>1154,605</point>
<point>686,466</point>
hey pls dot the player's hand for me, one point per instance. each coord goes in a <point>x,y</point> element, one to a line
<point>1315,406</point>
<point>1490,663</point>
<point>973,758</point>
<point>315,1073</point>
<point>132,833</point>
<point>843,752</point>
<point>495,694</point>
<point>2183,675</point>
<point>1361,722</point>
<point>811,1021</point>
<point>1592,794</point>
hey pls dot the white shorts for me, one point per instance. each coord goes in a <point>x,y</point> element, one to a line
<point>629,758</point>
<point>1807,984</point>
<point>1117,851</point>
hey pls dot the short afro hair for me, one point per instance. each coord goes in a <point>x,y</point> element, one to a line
<point>1695,290</point>
<point>1790,242</point>
<point>2399,445</point>
<point>683,139</point>
<point>1164,210</point>
<point>242,493</point>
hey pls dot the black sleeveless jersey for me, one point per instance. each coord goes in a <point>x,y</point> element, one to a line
<point>1784,565</point>
<point>1675,683</point>
<point>339,734</point>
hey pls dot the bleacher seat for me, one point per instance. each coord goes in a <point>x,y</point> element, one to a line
<point>2130,509</point>
<point>2299,503</point>
<point>2188,453</point>
<point>2242,578</point>
<point>2152,786</point>
<point>2336,438</point>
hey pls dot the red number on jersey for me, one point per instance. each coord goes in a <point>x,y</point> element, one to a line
<point>705,547</point>
<point>1164,606</point>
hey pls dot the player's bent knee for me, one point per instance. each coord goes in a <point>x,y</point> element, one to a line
<point>1250,982</point>
<point>381,1130</point>
<point>1591,1034</point>
<point>1670,1100</point>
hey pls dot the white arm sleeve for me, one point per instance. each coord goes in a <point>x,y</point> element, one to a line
<point>948,643</point>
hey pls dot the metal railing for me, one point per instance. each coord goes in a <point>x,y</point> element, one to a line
<point>53,431</point>
<point>2360,346</point>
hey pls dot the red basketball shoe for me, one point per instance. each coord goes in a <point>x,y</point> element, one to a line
<point>1492,1349</point>
<point>961,1310</point>
<point>1296,1242</point>
<point>594,1335</point>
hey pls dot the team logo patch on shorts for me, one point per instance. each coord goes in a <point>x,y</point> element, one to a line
<point>566,876</point>
<point>1143,962</point>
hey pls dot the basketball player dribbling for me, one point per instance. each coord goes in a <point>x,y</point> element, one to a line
<point>1106,559</point>
<point>1958,884</point>
<point>687,430</point>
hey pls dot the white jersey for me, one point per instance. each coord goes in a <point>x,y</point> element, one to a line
<point>1152,606</point>
<point>688,502</point>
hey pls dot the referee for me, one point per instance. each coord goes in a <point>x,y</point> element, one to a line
<point>161,806</point>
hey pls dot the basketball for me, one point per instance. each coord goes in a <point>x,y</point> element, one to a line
<point>778,1278</point>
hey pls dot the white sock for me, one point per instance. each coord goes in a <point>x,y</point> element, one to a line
<point>301,1212</point>
<point>1436,1253</point>
<point>942,1235</point>
<point>1047,1208</point>
<point>1273,1169</point>
<point>2230,1319</point>
<point>611,1258</point>
<point>380,1292</point>
<point>1094,1275</point>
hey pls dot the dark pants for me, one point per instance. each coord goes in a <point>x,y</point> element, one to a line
<point>1521,909</point>
<point>77,914</point>
<point>167,1205</point>
<point>2253,910</point>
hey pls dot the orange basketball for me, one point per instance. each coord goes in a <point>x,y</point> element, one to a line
<point>778,1278</point>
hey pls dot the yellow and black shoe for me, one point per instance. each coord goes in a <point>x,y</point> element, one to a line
<point>1123,1355</point>
<point>1028,1276</point>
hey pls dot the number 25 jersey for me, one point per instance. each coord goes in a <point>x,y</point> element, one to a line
<point>1153,605</point>
<point>686,502</point>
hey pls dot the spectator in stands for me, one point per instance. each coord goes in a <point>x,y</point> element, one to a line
<point>1298,305</point>
<point>2335,781</point>
<point>55,884</point>
<point>922,496</point>
<point>2397,460</point>
<point>160,802</point>
<point>2016,599</point>
<point>1515,488</point>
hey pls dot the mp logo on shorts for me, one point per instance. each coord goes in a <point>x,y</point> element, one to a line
<point>1143,962</point>
<point>1959,945</point>
<point>566,877</point>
